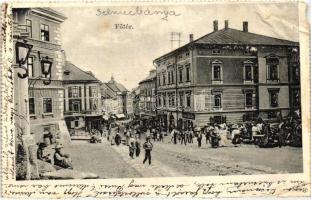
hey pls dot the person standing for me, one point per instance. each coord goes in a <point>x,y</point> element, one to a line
<point>132,146</point>
<point>183,137</point>
<point>175,136</point>
<point>148,148</point>
<point>199,136</point>
<point>137,145</point>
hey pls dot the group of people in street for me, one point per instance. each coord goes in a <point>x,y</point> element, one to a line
<point>130,135</point>
<point>259,132</point>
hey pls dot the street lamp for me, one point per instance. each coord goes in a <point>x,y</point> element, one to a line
<point>46,66</point>
<point>22,50</point>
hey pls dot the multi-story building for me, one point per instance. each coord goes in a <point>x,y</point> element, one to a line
<point>147,96</point>
<point>115,99</point>
<point>136,99</point>
<point>82,104</point>
<point>42,26</point>
<point>228,75</point>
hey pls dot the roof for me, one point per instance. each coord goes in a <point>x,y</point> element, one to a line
<point>233,36</point>
<point>115,86</point>
<point>152,75</point>
<point>77,74</point>
<point>229,36</point>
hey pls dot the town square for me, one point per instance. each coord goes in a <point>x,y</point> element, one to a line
<point>104,96</point>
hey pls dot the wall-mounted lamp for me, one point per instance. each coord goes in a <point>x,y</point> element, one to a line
<point>46,66</point>
<point>22,50</point>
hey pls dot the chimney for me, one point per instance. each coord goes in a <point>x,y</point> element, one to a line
<point>226,24</point>
<point>191,37</point>
<point>245,26</point>
<point>215,23</point>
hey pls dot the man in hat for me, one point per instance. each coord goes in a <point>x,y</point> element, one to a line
<point>40,155</point>
<point>61,159</point>
<point>148,148</point>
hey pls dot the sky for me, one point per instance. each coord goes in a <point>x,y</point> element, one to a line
<point>92,43</point>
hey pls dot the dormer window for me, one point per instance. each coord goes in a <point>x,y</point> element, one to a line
<point>216,51</point>
<point>66,72</point>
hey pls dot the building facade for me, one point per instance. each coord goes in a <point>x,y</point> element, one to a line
<point>228,75</point>
<point>42,26</point>
<point>147,96</point>
<point>116,99</point>
<point>82,104</point>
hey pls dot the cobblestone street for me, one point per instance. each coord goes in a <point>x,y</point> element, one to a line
<point>111,161</point>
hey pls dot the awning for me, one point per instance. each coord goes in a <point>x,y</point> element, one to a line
<point>119,116</point>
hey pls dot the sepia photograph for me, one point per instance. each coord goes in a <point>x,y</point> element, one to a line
<point>149,91</point>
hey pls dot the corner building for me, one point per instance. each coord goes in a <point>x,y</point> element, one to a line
<point>228,75</point>
<point>42,26</point>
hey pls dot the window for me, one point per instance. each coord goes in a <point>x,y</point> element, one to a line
<point>180,75</point>
<point>29,27</point>
<point>164,78</point>
<point>31,106</point>
<point>272,64</point>
<point>248,72</point>
<point>249,99</point>
<point>188,73</point>
<point>169,100</point>
<point>217,101</point>
<point>92,91</point>
<point>172,79</point>
<point>187,53</point>
<point>93,104</point>
<point>74,105</point>
<point>30,67</point>
<point>47,105</point>
<point>159,100</point>
<point>74,92</point>
<point>217,73</point>
<point>159,79</point>
<point>173,100</point>
<point>273,97</point>
<point>164,99</point>
<point>181,99</point>
<point>188,99</point>
<point>216,51</point>
<point>76,123</point>
<point>169,77</point>
<point>44,30</point>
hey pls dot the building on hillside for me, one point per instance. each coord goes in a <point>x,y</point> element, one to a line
<point>82,104</point>
<point>45,103</point>
<point>147,97</point>
<point>115,99</point>
<point>228,75</point>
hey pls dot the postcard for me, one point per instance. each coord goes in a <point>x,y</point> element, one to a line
<point>155,99</point>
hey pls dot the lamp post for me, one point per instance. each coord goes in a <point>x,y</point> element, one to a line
<point>46,66</point>
<point>22,50</point>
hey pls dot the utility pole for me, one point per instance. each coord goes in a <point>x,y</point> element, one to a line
<point>175,37</point>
